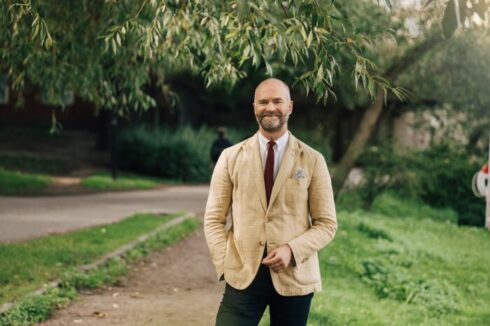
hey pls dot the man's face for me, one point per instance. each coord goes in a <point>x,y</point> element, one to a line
<point>272,105</point>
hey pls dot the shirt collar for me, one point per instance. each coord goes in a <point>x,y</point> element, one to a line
<point>280,142</point>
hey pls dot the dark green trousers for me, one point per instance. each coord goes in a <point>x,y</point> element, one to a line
<point>246,307</point>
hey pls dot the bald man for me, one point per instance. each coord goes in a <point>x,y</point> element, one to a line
<point>279,194</point>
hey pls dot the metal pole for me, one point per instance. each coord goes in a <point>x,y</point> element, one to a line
<point>114,145</point>
<point>487,219</point>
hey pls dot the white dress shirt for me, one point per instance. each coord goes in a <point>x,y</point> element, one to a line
<point>279,149</point>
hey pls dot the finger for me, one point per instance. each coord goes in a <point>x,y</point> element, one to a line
<point>273,260</point>
<point>270,260</point>
<point>270,255</point>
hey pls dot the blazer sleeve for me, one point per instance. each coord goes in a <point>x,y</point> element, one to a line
<point>323,216</point>
<point>219,199</point>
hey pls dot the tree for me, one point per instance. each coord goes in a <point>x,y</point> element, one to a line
<point>107,51</point>
<point>430,40</point>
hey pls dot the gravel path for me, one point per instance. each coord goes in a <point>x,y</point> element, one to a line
<point>176,286</point>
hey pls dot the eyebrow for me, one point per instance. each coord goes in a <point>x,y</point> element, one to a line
<point>267,100</point>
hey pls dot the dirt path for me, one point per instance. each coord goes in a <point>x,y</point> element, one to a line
<point>176,286</point>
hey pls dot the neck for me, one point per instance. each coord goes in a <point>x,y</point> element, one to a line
<point>273,135</point>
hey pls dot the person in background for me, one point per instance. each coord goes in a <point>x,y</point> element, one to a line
<point>219,145</point>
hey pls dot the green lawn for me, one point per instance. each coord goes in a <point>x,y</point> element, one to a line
<point>25,266</point>
<point>397,269</point>
<point>29,164</point>
<point>14,182</point>
<point>385,270</point>
<point>104,181</point>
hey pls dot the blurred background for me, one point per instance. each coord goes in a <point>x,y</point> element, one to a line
<point>111,95</point>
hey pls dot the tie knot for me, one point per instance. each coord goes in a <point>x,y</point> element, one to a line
<point>271,144</point>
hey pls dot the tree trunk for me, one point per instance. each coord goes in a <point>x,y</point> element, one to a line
<point>356,146</point>
<point>373,112</point>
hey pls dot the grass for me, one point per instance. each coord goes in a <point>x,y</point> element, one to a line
<point>104,181</point>
<point>16,182</point>
<point>28,164</point>
<point>35,309</point>
<point>396,266</point>
<point>393,269</point>
<point>26,266</point>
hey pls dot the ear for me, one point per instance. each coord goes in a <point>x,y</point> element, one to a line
<point>290,107</point>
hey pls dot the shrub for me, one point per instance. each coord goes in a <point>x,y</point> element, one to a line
<point>445,176</point>
<point>384,169</point>
<point>181,155</point>
<point>439,176</point>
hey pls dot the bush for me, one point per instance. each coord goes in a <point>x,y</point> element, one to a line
<point>178,154</point>
<point>445,177</point>
<point>384,169</point>
<point>439,176</point>
<point>164,154</point>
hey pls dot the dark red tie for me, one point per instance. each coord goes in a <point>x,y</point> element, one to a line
<point>269,171</point>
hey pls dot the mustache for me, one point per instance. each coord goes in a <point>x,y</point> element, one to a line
<point>274,114</point>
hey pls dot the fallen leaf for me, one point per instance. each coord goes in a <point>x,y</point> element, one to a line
<point>99,314</point>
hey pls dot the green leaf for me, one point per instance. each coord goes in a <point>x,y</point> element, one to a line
<point>303,33</point>
<point>319,74</point>
<point>268,68</point>
<point>310,38</point>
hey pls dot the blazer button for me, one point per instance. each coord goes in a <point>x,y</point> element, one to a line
<point>261,243</point>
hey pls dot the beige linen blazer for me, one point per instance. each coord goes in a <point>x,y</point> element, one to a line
<point>301,214</point>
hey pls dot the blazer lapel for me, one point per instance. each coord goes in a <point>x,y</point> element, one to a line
<point>257,170</point>
<point>286,165</point>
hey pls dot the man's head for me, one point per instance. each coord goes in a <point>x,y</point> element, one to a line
<point>272,105</point>
<point>221,131</point>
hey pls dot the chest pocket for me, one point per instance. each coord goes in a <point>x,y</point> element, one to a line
<point>296,191</point>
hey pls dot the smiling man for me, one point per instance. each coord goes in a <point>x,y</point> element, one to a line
<point>279,193</point>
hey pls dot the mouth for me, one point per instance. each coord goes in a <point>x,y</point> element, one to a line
<point>271,116</point>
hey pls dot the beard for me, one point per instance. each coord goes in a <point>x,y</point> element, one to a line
<point>272,122</point>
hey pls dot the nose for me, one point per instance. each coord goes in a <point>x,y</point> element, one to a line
<point>270,106</point>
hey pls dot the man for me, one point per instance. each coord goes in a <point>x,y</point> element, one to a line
<point>280,197</point>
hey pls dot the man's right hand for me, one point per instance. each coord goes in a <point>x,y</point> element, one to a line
<point>278,259</point>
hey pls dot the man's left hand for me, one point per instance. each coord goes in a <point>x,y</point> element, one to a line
<point>278,259</point>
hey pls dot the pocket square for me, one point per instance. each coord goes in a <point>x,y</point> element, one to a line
<point>300,174</point>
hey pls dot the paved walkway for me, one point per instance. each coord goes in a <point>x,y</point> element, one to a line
<point>24,218</point>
